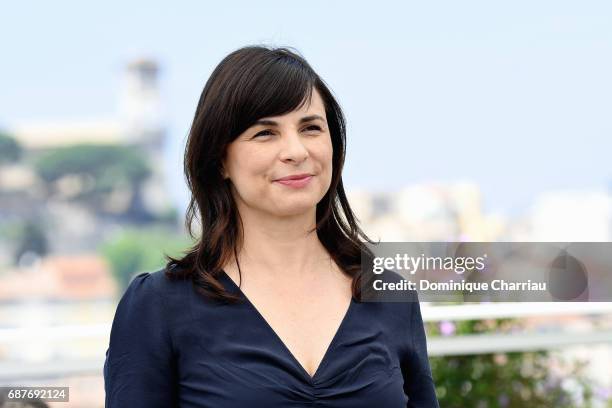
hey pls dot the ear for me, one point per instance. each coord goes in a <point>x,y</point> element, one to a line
<point>224,172</point>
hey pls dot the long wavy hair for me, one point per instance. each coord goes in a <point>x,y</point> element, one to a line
<point>248,84</point>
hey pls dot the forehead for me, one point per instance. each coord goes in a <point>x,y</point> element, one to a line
<point>314,105</point>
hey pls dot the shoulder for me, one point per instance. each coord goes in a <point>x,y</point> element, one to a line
<point>146,284</point>
<point>394,300</point>
<point>155,284</point>
<point>142,292</point>
<point>401,304</point>
<point>142,298</point>
<point>154,295</point>
<point>149,311</point>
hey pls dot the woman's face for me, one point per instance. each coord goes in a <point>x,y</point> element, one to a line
<point>276,147</point>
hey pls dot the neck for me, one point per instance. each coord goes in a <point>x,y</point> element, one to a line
<point>281,247</point>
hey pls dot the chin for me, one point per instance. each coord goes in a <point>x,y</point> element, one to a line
<point>289,209</point>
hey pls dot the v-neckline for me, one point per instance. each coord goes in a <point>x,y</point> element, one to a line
<point>326,355</point>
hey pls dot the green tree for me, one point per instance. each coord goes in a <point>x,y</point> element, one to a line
<point>30,237</point>
<point>101,169</point>
<point>135,251</point>
<point>10,150</point>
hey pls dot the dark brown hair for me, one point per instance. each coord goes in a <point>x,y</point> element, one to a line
<point>251,83</point>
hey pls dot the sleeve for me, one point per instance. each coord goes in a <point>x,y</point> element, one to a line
<point>418,381</point>
<point>139,369</point>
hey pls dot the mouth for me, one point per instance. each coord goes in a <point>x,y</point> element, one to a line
<point>295,181</point>
<point>295,177</point>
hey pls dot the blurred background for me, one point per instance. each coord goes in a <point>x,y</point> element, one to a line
<point>467,121</point>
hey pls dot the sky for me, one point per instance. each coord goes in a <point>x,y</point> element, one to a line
<point>514,96</point>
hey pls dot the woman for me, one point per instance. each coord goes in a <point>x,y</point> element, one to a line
<point>264,310</point>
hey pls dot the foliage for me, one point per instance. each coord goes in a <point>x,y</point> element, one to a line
<point>135,251</point>
<point>30,237</point>
<point>105,162</point>
<point>512,380</point>
<point>99,169</point>
<point>107,165</point>
<point>10,150</point>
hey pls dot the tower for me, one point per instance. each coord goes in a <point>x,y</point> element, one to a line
<point>140,111</point>
<point>143,125</point>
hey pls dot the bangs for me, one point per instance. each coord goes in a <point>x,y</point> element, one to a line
<point>273,87</point>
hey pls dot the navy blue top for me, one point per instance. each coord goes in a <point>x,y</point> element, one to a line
<point>172,347</point>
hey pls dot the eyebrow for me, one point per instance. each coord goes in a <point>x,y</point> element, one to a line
<point>268,122</point>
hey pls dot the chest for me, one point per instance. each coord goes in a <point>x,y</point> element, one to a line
<point>235,355</point>
<point>305,323</point>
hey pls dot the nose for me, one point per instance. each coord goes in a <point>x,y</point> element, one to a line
<point>293,148</point>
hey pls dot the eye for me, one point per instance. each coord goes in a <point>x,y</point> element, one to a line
<point>313,127</point>
<point>263,133</point>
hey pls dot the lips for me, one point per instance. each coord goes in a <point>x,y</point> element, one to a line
<point>295,181</point>
<point>294,177</point>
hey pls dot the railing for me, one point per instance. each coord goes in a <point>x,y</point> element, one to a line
<point>499,343</point>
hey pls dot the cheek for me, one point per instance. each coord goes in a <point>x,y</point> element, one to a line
<point>323,150</point>
<point>327,159</point>
<point>250,162</point>
<point>324,157</point>
<point>250,171</point>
